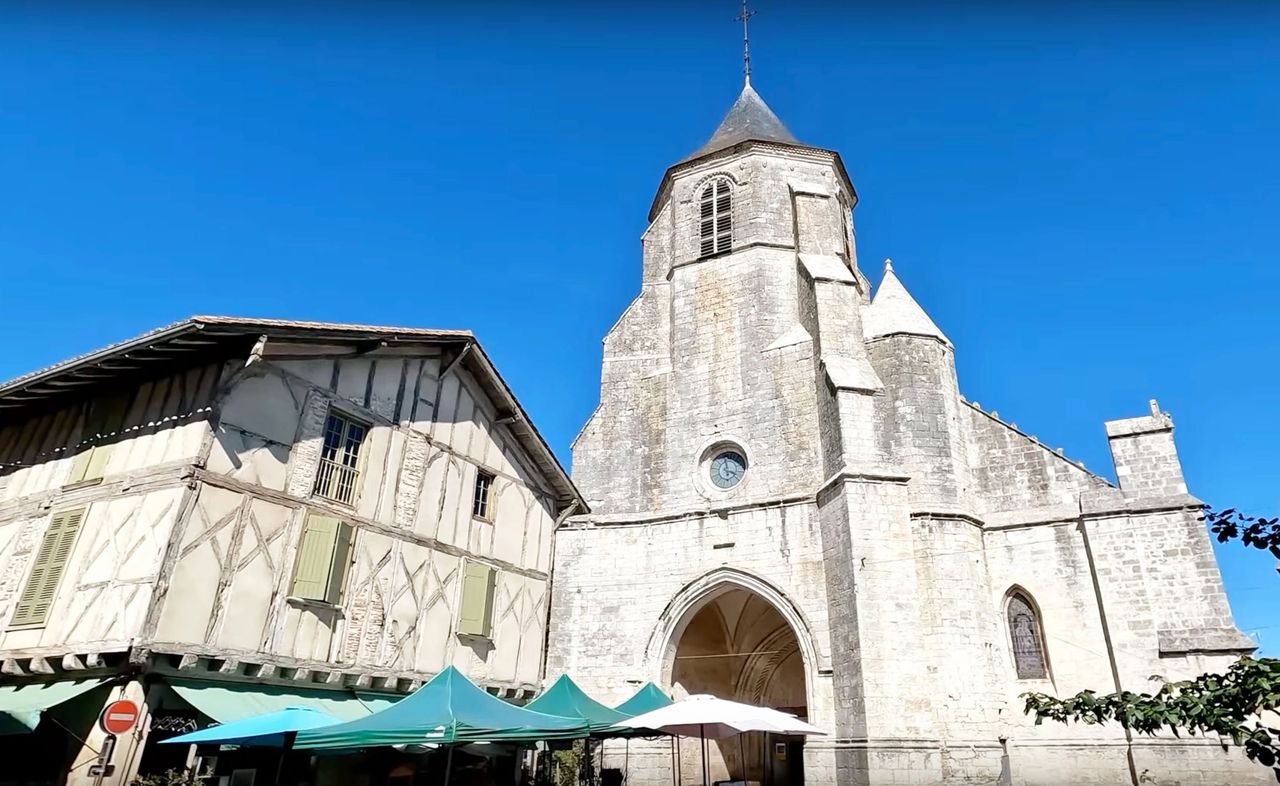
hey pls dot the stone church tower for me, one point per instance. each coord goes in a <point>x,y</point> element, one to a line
<point>792,505</point>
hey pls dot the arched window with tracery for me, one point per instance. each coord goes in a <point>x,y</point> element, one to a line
<point>716,216</point>
<point>1027,638</point>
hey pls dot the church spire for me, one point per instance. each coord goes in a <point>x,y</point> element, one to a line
<point>744,17</point>
<point>750,118</point>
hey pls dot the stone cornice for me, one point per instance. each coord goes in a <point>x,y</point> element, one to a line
<point>870,475</point>
<point>640,519</point>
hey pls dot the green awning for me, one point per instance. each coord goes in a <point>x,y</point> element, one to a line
<point>21,705</point>
<point>566,699</point>
<point>647,699</point>
<point>227,702</point>
<point>449,708</point>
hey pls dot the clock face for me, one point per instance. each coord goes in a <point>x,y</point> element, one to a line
<point>727,469</point>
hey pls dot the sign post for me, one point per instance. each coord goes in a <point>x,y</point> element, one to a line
<point>118,718</point>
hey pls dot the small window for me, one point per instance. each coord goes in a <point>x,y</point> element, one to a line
<point>103,420</point>
<point>323,556</point>
<point>51,560</point>
<point>475,611</point>
<point>715,227</point>
<point>482,499</point>
<point>339,474</point>
<point>1027,638</point>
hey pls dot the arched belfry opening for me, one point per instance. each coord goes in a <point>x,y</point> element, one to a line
<point>737,644</point>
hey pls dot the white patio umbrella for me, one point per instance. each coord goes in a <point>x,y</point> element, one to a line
<point>708,717</point>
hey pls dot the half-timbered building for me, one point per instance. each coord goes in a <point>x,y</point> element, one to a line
<point>224,516</point>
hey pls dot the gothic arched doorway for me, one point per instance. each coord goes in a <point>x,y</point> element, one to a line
<point>736,645</point>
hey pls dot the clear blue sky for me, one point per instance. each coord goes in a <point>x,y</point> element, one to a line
<point>1084,197</point>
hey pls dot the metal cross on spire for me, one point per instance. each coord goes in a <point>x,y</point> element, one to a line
<point>746,43</point>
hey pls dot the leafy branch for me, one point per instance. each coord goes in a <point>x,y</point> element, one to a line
<point>1227,705</point>
<point>1230,524</point>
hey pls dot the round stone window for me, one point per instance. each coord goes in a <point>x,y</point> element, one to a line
<point>727,469</point>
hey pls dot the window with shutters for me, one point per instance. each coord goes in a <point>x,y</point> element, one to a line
<point>323,556</point>
<point>475,608</point>
<point>103,420</point>
<point>482,496</point>
<point>41,589</point>
<point>1026,637</point>
<point>338,477</point>
<point>715,217</point>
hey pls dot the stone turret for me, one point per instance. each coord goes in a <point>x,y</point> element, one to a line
<point>918,419</point>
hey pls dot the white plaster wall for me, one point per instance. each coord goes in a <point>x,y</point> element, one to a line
<point>165,423</point>
<point>427,439</point>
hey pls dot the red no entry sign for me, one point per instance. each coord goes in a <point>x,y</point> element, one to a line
<point>119,717</point>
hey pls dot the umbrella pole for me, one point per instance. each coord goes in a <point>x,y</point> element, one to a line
<point>289,738</point>
<point>679,769</point>
<point>706,777</point>
<point>448,765</point>
<point>626,760</point>
<point>742,752</point>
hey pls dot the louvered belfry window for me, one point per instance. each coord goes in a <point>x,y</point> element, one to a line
<point>716,217</point>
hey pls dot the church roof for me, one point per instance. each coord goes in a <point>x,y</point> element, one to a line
<point>750,118</point>
<point>894,312</point>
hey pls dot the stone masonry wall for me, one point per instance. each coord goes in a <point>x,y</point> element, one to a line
<point>615,581</point>
<point>1013,471</point>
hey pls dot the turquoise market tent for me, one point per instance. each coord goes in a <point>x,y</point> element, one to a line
<point>270,730</point>
<point>21,705</point>
<point>566,699</point>
<point>226,702</point>
<point>448,709</point>
<point>647,699</point>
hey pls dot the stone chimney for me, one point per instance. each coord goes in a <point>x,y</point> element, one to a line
<point>1145,458</point>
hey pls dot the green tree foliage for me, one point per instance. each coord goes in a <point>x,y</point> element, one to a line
<point>1227,705</point>
<point>1252,531</point>
<point>1223,704</point>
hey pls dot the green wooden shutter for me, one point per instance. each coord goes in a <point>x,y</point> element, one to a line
<point>338,568</point>
<point>102,424</point>
<point>315,557</point>
<point>81,463</point>
<point>475,613</point>
<point>51,559</point>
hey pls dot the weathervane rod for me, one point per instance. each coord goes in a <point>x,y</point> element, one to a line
<point>746,43</point>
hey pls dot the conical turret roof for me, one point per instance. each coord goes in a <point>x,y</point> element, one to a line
<point>894,312</point>
<point>750,118</point>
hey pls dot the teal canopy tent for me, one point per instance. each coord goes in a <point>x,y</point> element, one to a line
<point>647,699</point>
<point>21,705</point>
<point>566,699</point>
<point>272,730</point>
<point>447,709</point>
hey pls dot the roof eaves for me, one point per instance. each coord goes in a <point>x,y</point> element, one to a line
<point>523,427</point>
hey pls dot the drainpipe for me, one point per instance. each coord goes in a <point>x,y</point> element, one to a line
<point>1106,638</point>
